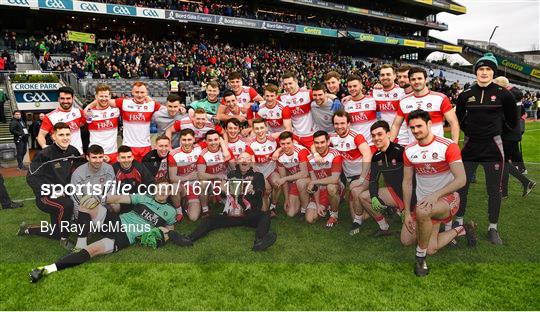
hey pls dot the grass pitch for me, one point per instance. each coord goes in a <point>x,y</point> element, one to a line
<point>309,267</point>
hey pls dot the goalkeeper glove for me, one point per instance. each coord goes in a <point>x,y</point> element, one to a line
<point>255,107</point>
<point>377,204</point>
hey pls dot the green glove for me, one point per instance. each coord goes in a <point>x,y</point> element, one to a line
<point>154,238</point>
<point>377,204</point>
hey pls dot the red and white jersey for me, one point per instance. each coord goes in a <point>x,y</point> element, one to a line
<point>333,162</point>
<point>238,147</point>
<point>387,105</point>
<point>363,114</point>
<point>292,162</point>
<point>348,146</point>
<point>187,123</point>
<point>214,161</point>
<point>73,117</point>
<point>244,99</point>
<point>263,154</point>
<point>136,120</point>
<point>431,163</point>
<point>299,104</point>
<point>184,162</point>
<point>273,116</point>
<point>104,128</point>
<point>436,104</point>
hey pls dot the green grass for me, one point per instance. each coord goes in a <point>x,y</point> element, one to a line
<point>309,268</point>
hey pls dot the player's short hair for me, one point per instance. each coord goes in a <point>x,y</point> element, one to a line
<point>415,70</point>
<point>213,84</point>
<point>272,88</point>
<point>210,132</point>
<point>404,68</point>
<point>140,84</point>
<point>228,93</point>
<point>233,121</point>
<point>285,135</point>
<point>163,137</point>
<point>332,74</point>
<point>354,77</point>
<point>95,149</point>
<point>173,98</point>
<point>318,87</point>
<point>341,113</point>
<point>66,89</point>
<point>288,74</point>
<point>419,113</point>
<point>320,133</point>
<point>124,149</point>
<point>380,124</point>
<point>102,87</point>
<point>187,131</point>
<point>384,66</point>
<point>60,125</point>
<point>234,75</point>
<point>258,120</point>
<point>199,110</point>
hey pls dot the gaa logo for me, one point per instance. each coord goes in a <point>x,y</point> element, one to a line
<point>19,2</point>
<point>55,4</point>
<point>150,13</point>
<point>36,97</point>
<point>89,7</point>
<point>120,10</point>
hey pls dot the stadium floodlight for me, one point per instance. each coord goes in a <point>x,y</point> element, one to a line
<point>492,33</point>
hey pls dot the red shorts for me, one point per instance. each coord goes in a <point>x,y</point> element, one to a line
<point>306,141</point>
<point>139,152</point>
<point>112,157</point>
<point>453,201</point>
<point>189,191</point>
<point>293,189</point>
<point>396,198</point>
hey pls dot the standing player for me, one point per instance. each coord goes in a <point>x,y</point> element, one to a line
<point>362,108</point>
<point>436,163</point>
<point>436,104</point>
<point>356,162</point>
<point>332,80</point>
<point>165,118</point>
<point>245,95</point>
<point>66,113</point>
<point>276,115</point>
<point>155,162</point>
<point>294,175</point>
<point>322,109</point>
<point>388,98</point>
<point>236,143</point>
<point>212,165</point>
<point>183,171</point>
<point>199,123</point>
<point>325,185</point>
<point>482,111</point>
<point>211,103</point>
<point>103,123</point>
<point>403,79</point>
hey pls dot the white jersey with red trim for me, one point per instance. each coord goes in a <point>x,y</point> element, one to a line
<point>214,161</point>
<point>238,147</point>
<point>273,116</point>
<point>348,146</point>
<point>431,164</point>
<point>435,103</point>
<point>104,128</point>
<point>136,120</point>
<point>332,163</point>
<point>74,118</point>
<point>187,123</point>
<point>299,104</point>
<point>244,100</point>
<point>387,105</point>
<point>263,154</point>
<point>363,114</point>
<point>184,162</point>
<point>292,162</point>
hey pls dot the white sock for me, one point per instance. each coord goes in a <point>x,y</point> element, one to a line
<point>50,268</point>
<point>205,209</point>
<point>272,206</point>
<point>303,210</point>
<point>421,253</point>
<point>358,219</point>
<point>383,224</point>
<point>459,220</point>
<point>448,226</point>
<point>492,226</point>
<point>81,242</point>
<point>334,214</point>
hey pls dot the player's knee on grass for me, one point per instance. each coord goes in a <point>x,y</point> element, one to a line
<point>311,216</point>
<point>407,238</point>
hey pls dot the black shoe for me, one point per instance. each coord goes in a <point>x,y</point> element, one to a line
<point>300,217</point>
<point>272,213</point>
<point>22,229</point>
<point>493,237</point>
<point>180,240</point>
<point>355,229</point>
<point>381,233</point>
<point>420,267</point>
<point>262,244</point>
<point>13,205</point>
<point>528,188</point>
<point>470,233</point>
<point>36,274</point>
<point>67,244</point>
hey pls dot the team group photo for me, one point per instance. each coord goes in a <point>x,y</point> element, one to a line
<point>268,155</point>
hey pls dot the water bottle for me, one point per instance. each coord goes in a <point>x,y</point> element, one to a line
<point>89,116</point>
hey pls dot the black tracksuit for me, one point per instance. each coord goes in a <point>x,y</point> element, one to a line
<point>483,113</point>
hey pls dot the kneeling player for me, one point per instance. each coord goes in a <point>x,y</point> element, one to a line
<point>150,220</point>
<point>294,175</point>
<point>439,174</point>
<point>325,184</point>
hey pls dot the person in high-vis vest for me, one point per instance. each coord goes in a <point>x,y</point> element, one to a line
<point>174,86</point>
